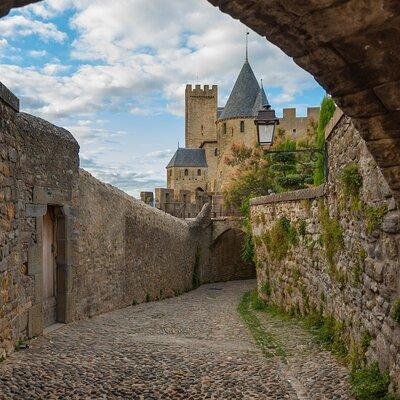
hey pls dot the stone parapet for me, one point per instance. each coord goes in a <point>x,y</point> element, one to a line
<point>8,97</point>
<point>310,193</point>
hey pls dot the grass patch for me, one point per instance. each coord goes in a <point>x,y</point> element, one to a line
<point>269,346</point>
<point>374,216</point>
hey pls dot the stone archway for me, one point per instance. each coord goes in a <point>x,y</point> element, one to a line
<point>349,46</point>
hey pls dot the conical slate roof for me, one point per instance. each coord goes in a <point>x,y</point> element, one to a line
<point>188,158</point>
<point>247,98</point>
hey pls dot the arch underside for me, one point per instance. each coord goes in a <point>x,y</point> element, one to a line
<point>351,47</point>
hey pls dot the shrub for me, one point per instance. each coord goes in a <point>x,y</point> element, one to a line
<point>369,383</point>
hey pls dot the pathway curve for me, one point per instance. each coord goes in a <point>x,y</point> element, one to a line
<point>191,347</point>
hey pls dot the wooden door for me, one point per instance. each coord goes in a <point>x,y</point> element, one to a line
<point>49,271</point>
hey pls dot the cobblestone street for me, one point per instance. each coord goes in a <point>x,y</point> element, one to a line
<point>191,347</point>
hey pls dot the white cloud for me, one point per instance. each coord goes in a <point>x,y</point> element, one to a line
<point>37,53</point>
<point>48,9</point>
<point>20,25</point>
<point>146,52</point>
<point>54,69</point>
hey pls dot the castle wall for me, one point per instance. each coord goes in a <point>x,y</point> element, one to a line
<point>212,153</point>
<point>297,126</point>
<point>200,114</point>
<point>226,137</point>
<point>346,258</point>
<point>127,252</point>
<point>177,180</point>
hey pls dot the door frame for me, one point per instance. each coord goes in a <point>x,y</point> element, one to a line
<point>59,202</point>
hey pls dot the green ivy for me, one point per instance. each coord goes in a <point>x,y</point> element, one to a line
<point>352,182</point>
<point>332,234</point>
<point>248,249</point>
<point>328,108</point>
<point>302,228</point>
<point>396,311</point>
<point>280,238</point>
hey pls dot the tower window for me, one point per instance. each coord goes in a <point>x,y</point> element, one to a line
<point>294,130</point>
<point>186,172</point>
<point>202,129</point>
<point>241,126</point>
<point>216,152</point>
<point>224,128</point>
<point>199,172</point>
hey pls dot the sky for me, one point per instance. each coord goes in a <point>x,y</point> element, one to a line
<point>114,73</point>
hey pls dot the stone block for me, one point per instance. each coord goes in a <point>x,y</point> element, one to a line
<point>391,222</point>
<point>35,317</point>
<point>388,93</point>
<point>35,258</point>
<point>35,210</point>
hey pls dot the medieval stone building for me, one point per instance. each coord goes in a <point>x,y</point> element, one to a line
<point>197,173</point>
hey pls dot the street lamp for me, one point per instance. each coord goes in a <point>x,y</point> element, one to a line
<point>266,122</point>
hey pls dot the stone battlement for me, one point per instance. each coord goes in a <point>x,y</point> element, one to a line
<point>202,90</point>
<point>312,112</point>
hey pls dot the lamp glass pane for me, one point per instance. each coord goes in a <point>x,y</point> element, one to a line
<point>266,133</point>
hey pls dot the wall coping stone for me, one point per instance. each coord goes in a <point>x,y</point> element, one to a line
<point>9,98</point>
<point>336,117</point>
<point>302,194</point>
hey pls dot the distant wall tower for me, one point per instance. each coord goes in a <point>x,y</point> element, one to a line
<point>200,114</point>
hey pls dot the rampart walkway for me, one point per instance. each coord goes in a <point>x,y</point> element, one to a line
<point>190,347</point>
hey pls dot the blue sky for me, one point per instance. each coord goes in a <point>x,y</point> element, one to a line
<point>114,73</point>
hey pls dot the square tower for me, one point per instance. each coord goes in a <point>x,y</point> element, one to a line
<point>200,114</point>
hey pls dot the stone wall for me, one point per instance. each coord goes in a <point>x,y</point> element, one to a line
<point>39,166</point>
<point>110,250</point>
<point>336,248</point>
<point>127,252</point>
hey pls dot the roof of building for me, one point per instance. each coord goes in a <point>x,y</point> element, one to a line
<point>188,158</point>
<point>247,97</point>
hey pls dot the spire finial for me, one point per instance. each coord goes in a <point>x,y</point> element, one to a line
<point>247,45</point>
<point>261,83</point>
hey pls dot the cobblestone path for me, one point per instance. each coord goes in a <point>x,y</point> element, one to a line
<point>191,347</point>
